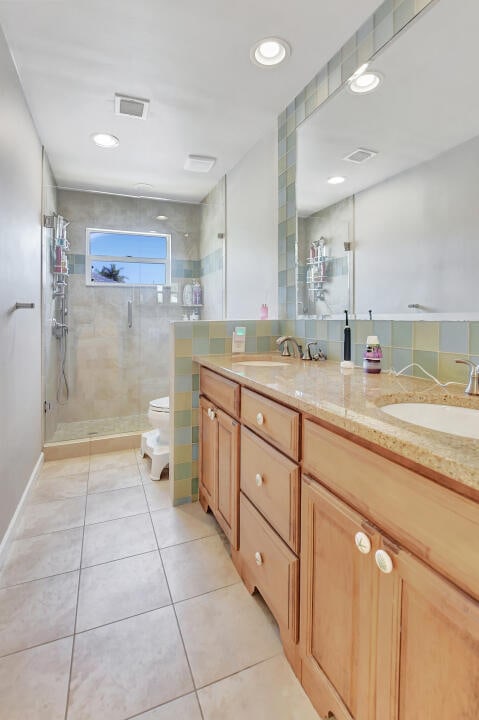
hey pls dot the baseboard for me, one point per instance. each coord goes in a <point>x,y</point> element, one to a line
<point>7,538</point>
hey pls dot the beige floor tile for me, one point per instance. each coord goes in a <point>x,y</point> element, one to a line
<point>114,479</point>
<point>42,556</point>
<point>180,524</point>
<point>37,612</point>
<point>117,539</point>
<point>128,667</point>
<point>103,461</point>
<point>231,613</point>
<point>34,683</point>
<point>158,494</point>
<point>198,567</point>
<point>121,589</point>
<point>185,708</point>
<point>263,692</point>
<point>71,466</point>
<point>59,488</point>
<point>115,504</point>
<point>51,516</point>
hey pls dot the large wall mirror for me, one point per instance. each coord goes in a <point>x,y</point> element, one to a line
<point>400,235</point>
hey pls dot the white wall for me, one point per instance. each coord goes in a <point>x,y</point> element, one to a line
<point>416,237</point>
<point>20,274</point>
<point>252,232</point>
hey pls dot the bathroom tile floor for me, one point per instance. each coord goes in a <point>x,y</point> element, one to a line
<point>115,605</point>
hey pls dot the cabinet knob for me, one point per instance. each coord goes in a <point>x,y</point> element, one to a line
<point>384,561</point>
<point>258,559</point>
<point>259,480</point>
<point>363,543</point>
<point>260,418</point>
<point>211,414</point>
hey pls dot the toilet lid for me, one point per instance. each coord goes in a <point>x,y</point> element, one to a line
<point>161,404</point>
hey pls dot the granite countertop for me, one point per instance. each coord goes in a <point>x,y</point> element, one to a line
<point>352,403</point>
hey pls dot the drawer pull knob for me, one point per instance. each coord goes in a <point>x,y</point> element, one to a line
<point>211,414</point>
<point>384,562</point>
<point>259,480</point>
<point>260,418</point>
<point>258,559</point>
<point>363,543</point>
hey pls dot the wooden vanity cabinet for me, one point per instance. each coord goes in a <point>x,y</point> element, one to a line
<point>219,466</point>
<point>384,636</point>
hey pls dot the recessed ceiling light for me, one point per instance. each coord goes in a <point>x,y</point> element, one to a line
<point>336,180</point>
<point>270,51</point>
<point>366,82</point>
<point>143,187</point>
<point>105,140</point>
<point>162,217</point>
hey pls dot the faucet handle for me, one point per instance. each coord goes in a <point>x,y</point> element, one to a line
<point>474,367</point>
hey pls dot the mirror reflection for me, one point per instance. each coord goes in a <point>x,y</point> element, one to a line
<point>387,180</point>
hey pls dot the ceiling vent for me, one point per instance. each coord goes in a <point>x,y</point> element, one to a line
<point>199,163</point>
<point>360,155</point>
<point>131,107</point>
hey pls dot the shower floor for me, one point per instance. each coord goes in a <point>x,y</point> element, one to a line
<point>102,426</point>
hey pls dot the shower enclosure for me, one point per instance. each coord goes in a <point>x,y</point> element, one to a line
<point>106,335</point>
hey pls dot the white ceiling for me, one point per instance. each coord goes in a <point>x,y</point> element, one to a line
<point>190,59</point>
<point>426,105</point>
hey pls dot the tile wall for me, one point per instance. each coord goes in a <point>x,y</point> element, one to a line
<point>434,345</point>
<point>388,20</point>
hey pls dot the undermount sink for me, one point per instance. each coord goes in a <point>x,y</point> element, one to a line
<point>444,418</point>
<point>261,363</point>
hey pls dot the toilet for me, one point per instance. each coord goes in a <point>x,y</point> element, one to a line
<point>156,443</point>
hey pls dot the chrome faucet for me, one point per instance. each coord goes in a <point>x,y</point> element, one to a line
<point>473,386</point>
<point>297,349</point>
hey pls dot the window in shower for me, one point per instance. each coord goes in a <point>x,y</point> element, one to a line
<point>116,257</point>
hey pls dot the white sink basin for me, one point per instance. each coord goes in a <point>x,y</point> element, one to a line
<point>262,363</point>
<point>444,418</point>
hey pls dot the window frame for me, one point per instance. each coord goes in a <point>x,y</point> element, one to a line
<point>89,258</point>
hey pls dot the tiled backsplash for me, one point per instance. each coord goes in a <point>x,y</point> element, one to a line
<point>434,345</point>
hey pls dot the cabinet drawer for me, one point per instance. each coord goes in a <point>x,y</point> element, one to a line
<point>270,566</point>
<point>438,525</point>
<point>271,482</point>
<point>276,423</point>
<point>223,392</point>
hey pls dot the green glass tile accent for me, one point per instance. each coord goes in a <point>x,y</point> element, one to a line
<point>425,336</point>
<point>382,328</point>
<point>454,337</point>
<point>182,418</point>
<point>195,382</point>
<point>183,330</point>
<point>357,354</point>
<point>428,359</point>
<point>195,452</point>
<point>183,436</point>
<point>194,487</point>
<point>335,350</point>
<point>183,366</point>
<point>251,344</point>
<point>195,434</point>
<point>217,346</point>
<point>201,345</point>
<point>183,383</point>
<point>183,500</point>
<point>474,338</point>
<point>335,330</point>
<point>201,330</point>
<point>263,343</point>
<point>401,334</point>
<point>195,399</point>
<point>401,357</point>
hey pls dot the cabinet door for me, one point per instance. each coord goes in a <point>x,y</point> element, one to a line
<point>208,454</point>
<point>226,508</point>
<point>428,645</point>
<point>337,608</point>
